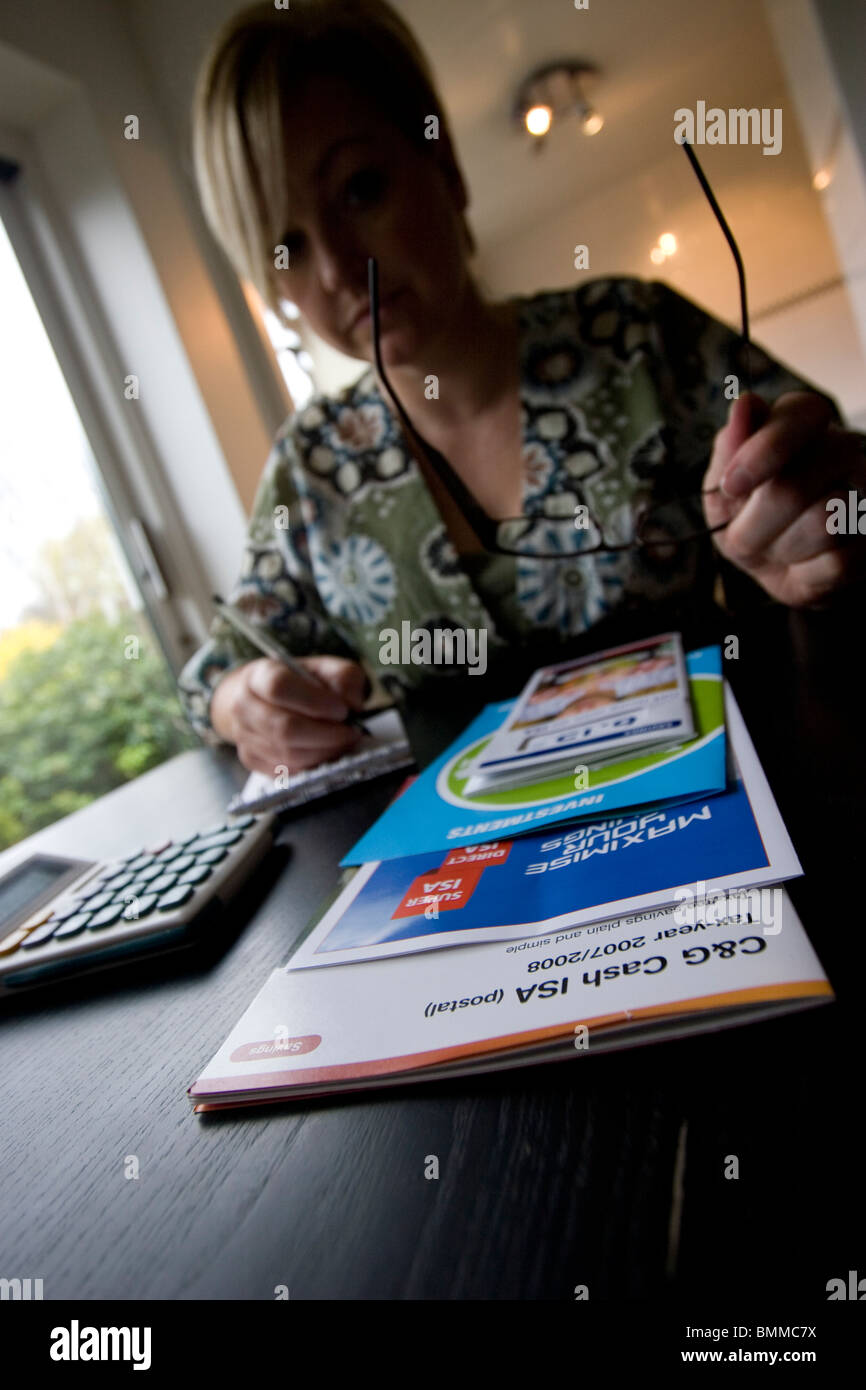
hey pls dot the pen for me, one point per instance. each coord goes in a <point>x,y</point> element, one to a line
<point>268,647</point>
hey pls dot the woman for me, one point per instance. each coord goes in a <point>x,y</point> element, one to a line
<point>316,148</point>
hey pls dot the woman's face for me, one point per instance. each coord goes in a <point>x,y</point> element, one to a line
<point>357,187</point>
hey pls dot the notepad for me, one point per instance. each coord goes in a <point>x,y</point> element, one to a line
<point>384,749</point>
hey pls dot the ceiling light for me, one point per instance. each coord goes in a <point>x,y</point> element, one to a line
<point>657,255</point>
<point>826,171</point>
<point>539,120</point>
<point>553,92</point>
<point>668,243</point>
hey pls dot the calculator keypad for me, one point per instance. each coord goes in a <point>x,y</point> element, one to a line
<point>140,907</point>
<point>148,883</point>
<point>71,927</point>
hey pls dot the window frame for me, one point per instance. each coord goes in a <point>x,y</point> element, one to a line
<point>128,475</point>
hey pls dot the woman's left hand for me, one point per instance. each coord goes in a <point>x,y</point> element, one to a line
<point>771,475</point>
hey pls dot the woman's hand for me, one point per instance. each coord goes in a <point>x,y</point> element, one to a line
<point>772,472</point>
<point>277,719</point>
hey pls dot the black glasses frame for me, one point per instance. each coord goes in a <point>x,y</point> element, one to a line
<point>486,528</point>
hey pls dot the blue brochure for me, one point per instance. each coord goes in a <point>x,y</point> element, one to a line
<point>434,813</point>
<point>714,855</point>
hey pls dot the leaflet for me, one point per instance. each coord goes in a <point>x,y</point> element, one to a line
<point>435,812</point>
<point>571,994</point>
<point>561,878</point>
<point>579,712</point>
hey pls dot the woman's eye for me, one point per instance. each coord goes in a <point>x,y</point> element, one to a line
<point>365,188</point>
<point>294,244</point>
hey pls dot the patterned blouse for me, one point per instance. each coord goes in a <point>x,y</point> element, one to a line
<point>623,388</point>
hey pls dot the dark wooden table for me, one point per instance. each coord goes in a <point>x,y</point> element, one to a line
<point>606,1171</point>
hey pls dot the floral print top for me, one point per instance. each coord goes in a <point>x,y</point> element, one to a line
<point>623,388</point>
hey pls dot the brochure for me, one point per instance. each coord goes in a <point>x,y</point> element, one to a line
<point>435,813</point>
<point>657,974</point>
<point>556,879</point>
<point>632,697</point>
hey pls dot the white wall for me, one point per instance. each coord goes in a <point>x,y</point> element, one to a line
<point>799,309</point>
<point>827,86</point>
<point>802,323</point>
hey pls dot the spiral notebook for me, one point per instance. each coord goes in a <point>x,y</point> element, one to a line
<point>384,749</point>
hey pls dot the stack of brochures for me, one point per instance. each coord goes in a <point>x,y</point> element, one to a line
<point>627,888</point>
<point>581,713</point>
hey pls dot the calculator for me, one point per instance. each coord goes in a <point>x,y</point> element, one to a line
<point>59,917</point>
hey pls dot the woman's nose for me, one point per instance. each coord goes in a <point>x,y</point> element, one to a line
<point>339,263</point>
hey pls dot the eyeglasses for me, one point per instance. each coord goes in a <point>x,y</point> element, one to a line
<point>579,534</point>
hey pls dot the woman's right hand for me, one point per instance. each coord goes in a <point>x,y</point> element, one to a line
<point>278,720</point>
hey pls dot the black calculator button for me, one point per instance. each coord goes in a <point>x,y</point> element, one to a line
<point>62,914</point>
<point>101,900</point>
<point>197,875</point>
<point>122,882</point>
<point>72,926</point>
<point>103,886</point>
<point>139,907</point>
<point>185,862</point>
<point>41,934</point>
<point>133,894</point>
<point>112,873</point>
<point>141,861</point>
<point>162,884</point>
<point>211,856</point>
<point>106,918</point>
<point>227,837</point>
<point>175,897</point>
<point>152,871</point>
<point>170,853</point>
<point>84,894</point>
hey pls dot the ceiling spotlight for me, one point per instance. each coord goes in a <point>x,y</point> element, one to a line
<point>538,120</point>
<point>825,173</point>
<point>664,247</point>
<point>553,92</point>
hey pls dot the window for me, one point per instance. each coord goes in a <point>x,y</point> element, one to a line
<point>296,364</point>
<point>87,699</point>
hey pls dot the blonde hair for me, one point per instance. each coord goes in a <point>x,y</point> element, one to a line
<point>243,87</point>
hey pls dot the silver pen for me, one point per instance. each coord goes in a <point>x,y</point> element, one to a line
<point>268,647</point>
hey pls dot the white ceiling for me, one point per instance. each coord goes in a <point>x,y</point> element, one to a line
<point>654,56</point>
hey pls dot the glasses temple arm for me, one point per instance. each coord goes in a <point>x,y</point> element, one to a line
<point>483,528</point>
<point>735,251</point>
